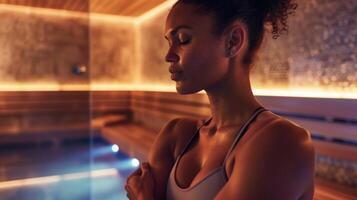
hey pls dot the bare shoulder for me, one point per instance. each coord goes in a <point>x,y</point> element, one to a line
<point>284,142</point>
<point>277,136</point>
<point>175,133</point>
<point>169,137</point>
<point>282,131</point>
<point>162,153</point>
<point>277,163</point>
<point>286,152</point>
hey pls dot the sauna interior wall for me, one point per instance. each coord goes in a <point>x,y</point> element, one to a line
<point>319,51</point>
<point>40,46</point>
<point>112,50</point>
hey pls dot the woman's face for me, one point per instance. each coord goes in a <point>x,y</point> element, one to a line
<point>196,54</point>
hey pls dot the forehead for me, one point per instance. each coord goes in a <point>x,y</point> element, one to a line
<point>188,15</point>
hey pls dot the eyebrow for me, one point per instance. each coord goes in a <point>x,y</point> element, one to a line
<point>174,31</point>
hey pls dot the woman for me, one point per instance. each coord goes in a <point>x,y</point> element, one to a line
<point>243,151</point>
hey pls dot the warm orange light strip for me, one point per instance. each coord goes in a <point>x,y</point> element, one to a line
<point>113,18</point>
<point>307,92</point>
<point>60,12</point>
<point>54,179</point>
<point>290,92</point>
<point>43,87</point>
<point>165,6</point>
<point>133,87</point>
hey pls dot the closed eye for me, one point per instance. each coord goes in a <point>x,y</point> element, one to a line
<point>183,38</point>
<point>184,42</point>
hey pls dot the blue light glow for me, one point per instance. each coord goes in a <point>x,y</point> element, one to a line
<point>115,148</point>
<point>135,162</point>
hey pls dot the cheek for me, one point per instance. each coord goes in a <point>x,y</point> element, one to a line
<point>203,63</point>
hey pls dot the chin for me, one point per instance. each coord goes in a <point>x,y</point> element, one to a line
<point>185,90</point>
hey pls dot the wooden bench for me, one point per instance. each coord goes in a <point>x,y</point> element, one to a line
<point>42,116</point>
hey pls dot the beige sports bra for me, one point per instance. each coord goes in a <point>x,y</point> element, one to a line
<point>208,187</point>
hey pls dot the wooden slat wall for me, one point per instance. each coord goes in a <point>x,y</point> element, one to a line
<point>109,102</point>
<point>28,116</point>
<point>38,116</point>
<point>25,103</point>
<point>333,120</point>
<point>154,109</point>
<point>131,8</point>
<point>73,5</point>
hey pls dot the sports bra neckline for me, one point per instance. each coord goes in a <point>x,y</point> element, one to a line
<point>220,167</point>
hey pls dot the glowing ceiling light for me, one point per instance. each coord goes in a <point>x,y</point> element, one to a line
<point>135,162</point>
<point>155,11</point>
<point>113,18</point>
<point>115,148</point>
<point>61,12</point>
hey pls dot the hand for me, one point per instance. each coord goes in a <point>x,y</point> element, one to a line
<point>140,184</point>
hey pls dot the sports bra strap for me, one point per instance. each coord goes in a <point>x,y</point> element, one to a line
<point>192,137</point>
<point>239,135</point>
<point>243,130</point>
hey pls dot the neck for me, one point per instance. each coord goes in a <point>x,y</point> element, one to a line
<point>231,100</point>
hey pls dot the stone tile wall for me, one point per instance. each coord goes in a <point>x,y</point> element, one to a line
<point>112,50</point>
<point>41,47</point>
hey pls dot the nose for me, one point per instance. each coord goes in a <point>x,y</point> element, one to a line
<point>171,56</point>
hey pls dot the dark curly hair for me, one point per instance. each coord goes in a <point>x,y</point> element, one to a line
<point>254,13</point>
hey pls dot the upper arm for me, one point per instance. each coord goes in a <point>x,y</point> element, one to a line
<point>279,164</point>
<point>161,156</point>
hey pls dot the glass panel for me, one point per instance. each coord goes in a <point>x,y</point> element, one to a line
<point>44,100</point>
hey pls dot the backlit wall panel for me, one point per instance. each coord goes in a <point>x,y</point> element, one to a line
<point>320,50</point>
<point>154,69</point>
<point>112,50</point>
<point>41,46</point>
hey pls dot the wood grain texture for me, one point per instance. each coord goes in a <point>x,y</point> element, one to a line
<point>73,5</point>
<point>113,7</point>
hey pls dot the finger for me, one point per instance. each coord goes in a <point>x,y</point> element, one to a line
<point>129,196</point>
<point>130,193</point>
<point>145,167</point>
<point>137,172</point>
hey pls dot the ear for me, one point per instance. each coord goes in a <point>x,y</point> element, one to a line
<point>234,39</point>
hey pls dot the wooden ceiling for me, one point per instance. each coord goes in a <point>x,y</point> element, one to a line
<point>131,8</point>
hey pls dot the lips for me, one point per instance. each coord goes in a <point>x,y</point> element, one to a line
<point>176,74</point>
<point>173,69</point>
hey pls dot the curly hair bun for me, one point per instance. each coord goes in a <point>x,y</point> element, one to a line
<point>276,14</point>
<point>254,13</point>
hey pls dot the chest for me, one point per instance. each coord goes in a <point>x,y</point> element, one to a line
<point>201,159</point>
